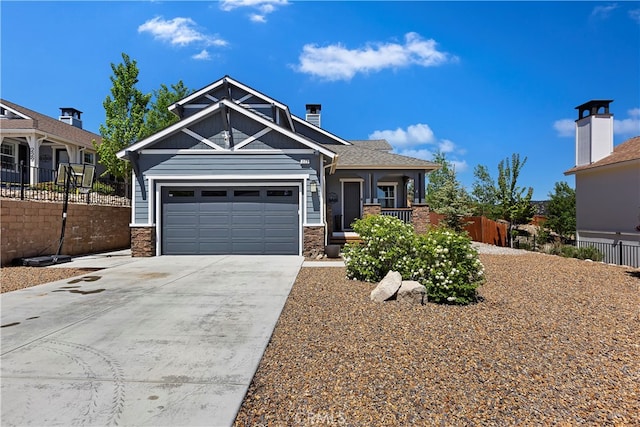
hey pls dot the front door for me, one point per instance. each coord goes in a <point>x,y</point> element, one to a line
<point>352,203</point>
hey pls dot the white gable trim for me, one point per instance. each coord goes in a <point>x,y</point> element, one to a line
<point>213,108</point>
<point>201,139</point>
<point>14,111</point>
<point>319,129</point>
<point>169,130</point>
<point>252,138</point>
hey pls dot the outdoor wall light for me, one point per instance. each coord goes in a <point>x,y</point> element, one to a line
<point>313,186</point>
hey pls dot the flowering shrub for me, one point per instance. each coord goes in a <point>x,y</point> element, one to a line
<point>385,240</point>
<point>447,265</point>
<point>442,260</point>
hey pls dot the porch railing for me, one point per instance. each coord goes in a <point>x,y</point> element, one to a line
<point>15,184</point>
<point>405,214</point>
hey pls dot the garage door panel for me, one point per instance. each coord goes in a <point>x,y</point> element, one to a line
<point>230,220</point>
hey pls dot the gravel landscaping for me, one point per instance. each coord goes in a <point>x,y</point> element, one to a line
<point>555,341</point>
<point>14,278</point>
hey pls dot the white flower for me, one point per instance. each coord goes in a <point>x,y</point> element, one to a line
<point>451,299</point>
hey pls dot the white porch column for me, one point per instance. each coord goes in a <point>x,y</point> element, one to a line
<point>73,152</point>
<point>34,158</point>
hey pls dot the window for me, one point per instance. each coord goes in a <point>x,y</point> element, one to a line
<point>8,155</point>
<point>88,158</point>
<point>181,193</point>
<point>214,193</point>
<point>246,193</point>
<point>387,195</point>
<point>279,193</point>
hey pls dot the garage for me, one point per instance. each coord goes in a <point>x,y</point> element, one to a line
<point>230,220</point>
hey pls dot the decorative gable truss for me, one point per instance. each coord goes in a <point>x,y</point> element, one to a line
<point>225,127</point>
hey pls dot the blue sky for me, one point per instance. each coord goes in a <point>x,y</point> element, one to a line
<point>477,80</point>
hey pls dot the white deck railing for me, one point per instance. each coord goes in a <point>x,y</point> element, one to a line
<point>405,214</point>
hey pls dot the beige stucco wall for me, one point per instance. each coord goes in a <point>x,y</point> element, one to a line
<point>608,199</point>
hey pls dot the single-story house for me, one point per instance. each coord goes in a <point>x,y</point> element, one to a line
<point>42,143</point>
<point>240,174</point>
<point>607,186</point>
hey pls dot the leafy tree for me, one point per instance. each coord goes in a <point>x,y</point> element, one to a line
<point>159,116</point>
<point>484,193</point>
<point>562,210</point>
<point>514,202</point>
<point>125,110</point>
<point>446,196</point>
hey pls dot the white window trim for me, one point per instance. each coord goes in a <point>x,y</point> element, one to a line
<point>15,154</point>
<point>395,192</point>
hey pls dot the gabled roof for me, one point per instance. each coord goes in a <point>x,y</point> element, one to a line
<point>29,121</point>
<point>291,120</point>
<point>628,151</point>
<point>361,155</point>
<point>213,109</point>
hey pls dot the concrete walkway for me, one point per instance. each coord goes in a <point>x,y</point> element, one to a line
<point>148,342</point>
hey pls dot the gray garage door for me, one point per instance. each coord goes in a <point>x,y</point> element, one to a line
<point>240,220</point>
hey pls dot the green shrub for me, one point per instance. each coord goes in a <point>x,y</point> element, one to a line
<point>385,240</point>
<point>589,252</point>
<point>102,188</point>
<point>448,266</point>
<point>569,251</point>
<point>442,260</point>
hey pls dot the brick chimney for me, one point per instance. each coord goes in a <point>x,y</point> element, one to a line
<point>594,131</point>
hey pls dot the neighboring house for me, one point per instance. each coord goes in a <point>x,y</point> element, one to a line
<point>42,142</point>
<point>239,174</point>
<point>607,186</point>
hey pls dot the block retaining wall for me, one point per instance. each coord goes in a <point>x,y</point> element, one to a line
<point>30,228</point>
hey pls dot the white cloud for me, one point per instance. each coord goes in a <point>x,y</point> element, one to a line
<point>254,17</point>
<point>635,15</point>
<point>414,135</point>
<point>627,126</point>
<point>603,11</point>
<point>336,62</point>
<point>179,32</point>
<point>203,55</point>
<point>423,153</point>
<point>420,142</point>
<point>446,146</point>
<point>265,7</point>
<point>565,127</point>
<point>460,165</point>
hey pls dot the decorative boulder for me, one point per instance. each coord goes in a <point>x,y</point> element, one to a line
<point>412,292</point>
<point>387,287</point>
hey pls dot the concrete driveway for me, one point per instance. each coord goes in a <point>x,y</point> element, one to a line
<point>156,341</point>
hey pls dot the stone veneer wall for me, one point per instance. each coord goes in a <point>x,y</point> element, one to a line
<point>143,241</point>
<point>313,241</point>
<point>31,228</point>
<point>371,209</point>
<point>420,218</point>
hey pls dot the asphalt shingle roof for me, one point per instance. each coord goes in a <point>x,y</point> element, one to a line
<point>363,154</point>
<point>625,152</point>
<point>55,128</point>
